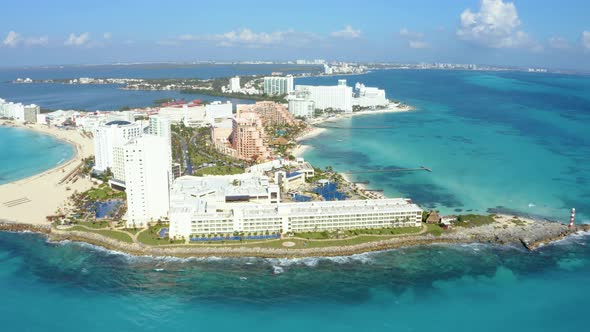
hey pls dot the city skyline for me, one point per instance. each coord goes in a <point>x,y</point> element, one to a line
<point>495,32</point>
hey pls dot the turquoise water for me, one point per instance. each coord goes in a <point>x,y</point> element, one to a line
<point>513,142</point>
<point>509,141</point>
<point>24,153</point>
<point>73,287</point>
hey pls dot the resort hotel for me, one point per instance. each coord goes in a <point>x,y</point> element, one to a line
<point>249,203</point>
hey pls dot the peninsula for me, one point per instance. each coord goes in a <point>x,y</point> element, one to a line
<point>190,179</point>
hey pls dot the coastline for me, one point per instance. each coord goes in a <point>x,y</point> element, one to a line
<point>529,234</point>
<point>315,130</point>
<point>44,193</point>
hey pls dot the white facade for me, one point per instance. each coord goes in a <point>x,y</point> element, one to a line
<point>368,96</point>
<point>159,126</point>
<point>197,116</point>
<point>194,215</point>
<point>109,136</point>
<point>148,174</point>
<point>278,85</point>
<point>301,107</point>
<point>234,84</point>
<point>337,97</point>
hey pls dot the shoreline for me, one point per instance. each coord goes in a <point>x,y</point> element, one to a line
<point>523,235</point>
<point>46,192</point>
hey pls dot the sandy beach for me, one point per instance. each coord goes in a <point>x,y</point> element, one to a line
<point>42,194</point>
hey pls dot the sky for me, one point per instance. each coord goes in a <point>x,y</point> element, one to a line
<point>533,33</point>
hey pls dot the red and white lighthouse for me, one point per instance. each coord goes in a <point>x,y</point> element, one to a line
<point>572,218</point>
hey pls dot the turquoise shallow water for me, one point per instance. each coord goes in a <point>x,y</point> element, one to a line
<point>513,142</point>
<point>24,153</point>
<point>504,139</point>
<point>72,287</point>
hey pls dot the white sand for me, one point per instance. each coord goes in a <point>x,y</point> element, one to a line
<point>43,190</point>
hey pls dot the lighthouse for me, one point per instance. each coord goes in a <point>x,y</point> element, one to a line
<point>572,218</point>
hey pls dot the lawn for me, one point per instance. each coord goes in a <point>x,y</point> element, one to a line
<point>97,224</point>
<point>473,220</point>
<point>103,192</point>
<point>120,236</point>
<point>150,237</point>
<point>434,229</point>
<point>349,233</point>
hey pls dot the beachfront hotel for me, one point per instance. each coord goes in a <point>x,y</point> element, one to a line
<point>270,113</point>
<point>249,203</point>
<point>275,85</point>
<point>19,112</point>
<point>248,138</point>
<point>109,140</point>
<point>148,175</point>
<point>335,97</point>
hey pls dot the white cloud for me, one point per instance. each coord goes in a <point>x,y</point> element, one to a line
<point>559,43</point>
<point>495,26</point>
<point>586,39</point>
<point>418,44</point>
<point>347,32</point>
<point>74,40</point>
<point>404,32</point>
<point>248,38</point>
<point>107,35</point>
<point>12,39</point>
<point>37,41</point>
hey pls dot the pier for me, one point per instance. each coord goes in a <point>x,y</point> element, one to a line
<point>389,170</point>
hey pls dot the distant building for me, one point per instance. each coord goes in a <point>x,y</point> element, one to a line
<point>148,176</point>
<point>336,97</point>
<point>30,113</point>
<point>368,97</point>
<point>301,107</point>
<point>271,113</point>
<point>234,84</point>
<point>278,85</point>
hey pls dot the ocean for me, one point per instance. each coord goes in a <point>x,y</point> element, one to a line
<point>74,287</point>
<point>511,142</point>
<point>24,153</point>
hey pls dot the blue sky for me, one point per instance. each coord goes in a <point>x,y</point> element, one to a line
<point>553,34</point>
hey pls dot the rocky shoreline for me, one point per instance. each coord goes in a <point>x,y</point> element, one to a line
<point>529,235</point>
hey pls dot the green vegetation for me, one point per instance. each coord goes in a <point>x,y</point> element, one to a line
<point>434,229</point>
<point>219,170</point>
<point>237,95</point>
<point>95,224</point>
<point>163,101</point>
<point>359,232</point>
<point>120,236</point>
<point>150,237</point>
<point>473,220</point>
<point>103,192</point>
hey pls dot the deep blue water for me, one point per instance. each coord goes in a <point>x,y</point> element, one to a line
<point>514,140</point>
<point>110,97</point>
<point>509,141</point>
<point>73,287</point>
<point>24,153</point>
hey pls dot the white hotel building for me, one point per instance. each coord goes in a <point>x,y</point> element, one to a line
<point>109,140</point>
<point>148,175</point>
<point>248,203</point>
<point>337,97</point>
<point>275,85</point>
